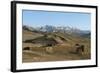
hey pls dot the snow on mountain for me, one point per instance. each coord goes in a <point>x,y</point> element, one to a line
<point>49,28</point>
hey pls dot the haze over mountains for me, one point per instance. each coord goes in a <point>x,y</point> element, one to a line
<point>61,29</point>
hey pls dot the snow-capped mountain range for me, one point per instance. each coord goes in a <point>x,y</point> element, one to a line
<point>49,28</point>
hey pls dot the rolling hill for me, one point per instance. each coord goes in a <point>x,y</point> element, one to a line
<point>62,42</point>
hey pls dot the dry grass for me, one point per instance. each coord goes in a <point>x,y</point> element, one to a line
<point>61,52</point>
